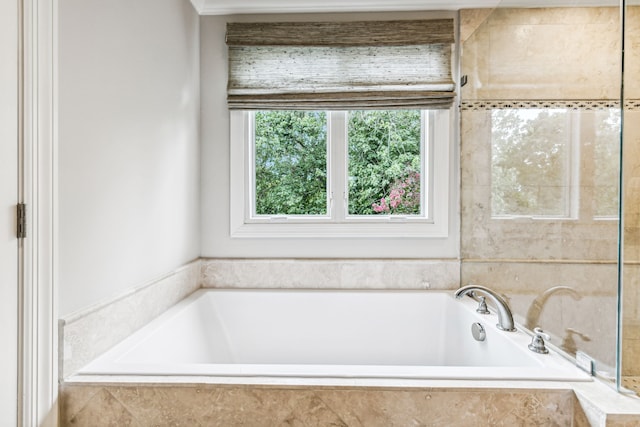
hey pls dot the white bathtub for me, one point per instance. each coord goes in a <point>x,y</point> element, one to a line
<point>329,334</point>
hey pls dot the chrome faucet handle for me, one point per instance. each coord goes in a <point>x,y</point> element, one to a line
<point>482,306</point>
<point>537,343</point>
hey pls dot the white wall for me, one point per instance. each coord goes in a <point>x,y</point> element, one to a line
<point>129,145</point>
<point>215,197</point>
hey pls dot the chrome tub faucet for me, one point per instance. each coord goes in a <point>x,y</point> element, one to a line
<point>505,318</point>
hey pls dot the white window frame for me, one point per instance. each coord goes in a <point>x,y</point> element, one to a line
<point>436,164</point>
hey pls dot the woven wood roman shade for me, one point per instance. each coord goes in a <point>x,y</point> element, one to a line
<point>340,65</point>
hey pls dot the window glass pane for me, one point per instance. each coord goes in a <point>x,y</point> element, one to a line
<point>530,162</point>
<point>606,157</point>
<point>290,163</point>
<point>384,162</point>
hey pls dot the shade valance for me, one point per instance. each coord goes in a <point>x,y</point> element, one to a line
<point>340,65</point>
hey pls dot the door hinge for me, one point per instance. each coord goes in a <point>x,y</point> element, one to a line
<point>22,221</point>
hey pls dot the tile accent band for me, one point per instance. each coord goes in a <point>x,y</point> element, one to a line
<point>580,104</point>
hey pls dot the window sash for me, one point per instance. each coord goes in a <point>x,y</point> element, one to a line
<point>337,191</point>
<point>434,225</point>
<point>426,181</point>
<point>251,167</point>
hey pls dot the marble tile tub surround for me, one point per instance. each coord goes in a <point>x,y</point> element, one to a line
<point>487,237</point>
<point>251,405</point>
<point>631,265</point>
<point>85,335</point>
<point>515,54</point>
<point>586,320</point>
<point>333,274</point>
<point>523,257</point>
<point>512,59</point>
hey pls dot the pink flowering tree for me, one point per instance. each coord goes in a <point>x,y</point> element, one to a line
<point>403,197</point>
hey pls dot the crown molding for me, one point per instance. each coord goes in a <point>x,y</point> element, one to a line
<point>199,5</point>
<point>231,7</point>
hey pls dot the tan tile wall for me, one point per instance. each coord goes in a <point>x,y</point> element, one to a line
<point>545,53</point>
<point>632,53</point>
<point>587,321</point>
<point>486,237</point>
<point>539,54</point>
<point>631,276</point>
<point>631,164</point>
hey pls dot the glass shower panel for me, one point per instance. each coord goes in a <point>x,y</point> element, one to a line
<point>540,126</point>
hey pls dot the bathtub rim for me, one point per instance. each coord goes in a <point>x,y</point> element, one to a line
<point>559,364</point>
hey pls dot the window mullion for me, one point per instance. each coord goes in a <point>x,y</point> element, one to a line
<point>337,167</point>
<point>426,172</point>
<point>250,162</point>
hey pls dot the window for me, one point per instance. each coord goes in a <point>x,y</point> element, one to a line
<point>340,65</point>
<point>554,163</point>
<point>358,173</point>
<point>341,130</point>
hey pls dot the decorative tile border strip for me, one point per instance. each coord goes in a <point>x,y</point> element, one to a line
<point>632,104</point>
<point>582,104</point>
